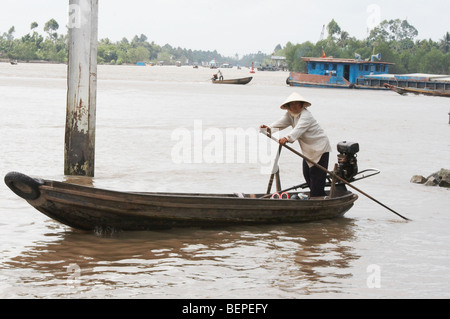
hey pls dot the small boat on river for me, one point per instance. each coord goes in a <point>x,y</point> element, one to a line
<point>232,81</point>
<point>89,208</point>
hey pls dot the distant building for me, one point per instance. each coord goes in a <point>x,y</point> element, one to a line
<point>213,64</point>
<point>279,62</point>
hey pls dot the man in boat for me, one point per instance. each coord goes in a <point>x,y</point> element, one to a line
<point>312,138</point>
<point>218,76</point>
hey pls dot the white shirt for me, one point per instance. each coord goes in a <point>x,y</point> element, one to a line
<point>312,138</point>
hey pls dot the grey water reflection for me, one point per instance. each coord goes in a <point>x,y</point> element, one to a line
<point>264,261</point>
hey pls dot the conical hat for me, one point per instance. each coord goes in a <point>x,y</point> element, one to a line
<point>293,98</point>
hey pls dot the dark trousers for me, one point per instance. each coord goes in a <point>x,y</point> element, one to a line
<point>315,177</point>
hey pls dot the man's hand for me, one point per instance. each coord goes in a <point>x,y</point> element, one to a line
<point>267,129</point>
<point>283,141</point>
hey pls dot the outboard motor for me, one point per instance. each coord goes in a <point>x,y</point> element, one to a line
<point>347,162</point>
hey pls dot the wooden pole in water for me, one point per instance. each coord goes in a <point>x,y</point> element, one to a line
<point>79,147</point>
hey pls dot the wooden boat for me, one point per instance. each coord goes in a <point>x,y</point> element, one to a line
<point>405,90</point>
<point>233,81</point>
<point>89,208</point>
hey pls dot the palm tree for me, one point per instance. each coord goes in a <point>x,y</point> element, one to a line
<point>444,44</point>
<point>343,39</point>
<point>51,26</point>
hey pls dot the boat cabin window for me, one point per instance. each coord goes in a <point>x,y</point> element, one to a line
<point>361,67</point>
<point>326,66</point>
<point>334,67</point>
<point>313,66</point>
<point>366,67</point>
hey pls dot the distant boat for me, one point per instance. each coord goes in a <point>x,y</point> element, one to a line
<point>405,90</point>
<point>213,64</point>
<point>233,81</point>
<point>328,72</point>
<point>14,62</point>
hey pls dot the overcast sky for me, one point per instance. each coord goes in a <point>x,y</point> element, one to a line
<point>233,26</point>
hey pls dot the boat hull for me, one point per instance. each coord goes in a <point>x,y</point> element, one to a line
<point>89,208</point>
<point>406,90</point>
<point>325,81</point>
<point>242,81</point>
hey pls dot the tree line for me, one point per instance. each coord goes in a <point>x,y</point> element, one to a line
<point>34,46</point>
<point>52,47</point>
<point>396,41</point>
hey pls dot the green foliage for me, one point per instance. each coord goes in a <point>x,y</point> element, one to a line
<point>51,27</point>
<point>53,48</point>
<point>34,46</point>
<point>333,28</point>
<point>394,39</point>
<point>294,53</point>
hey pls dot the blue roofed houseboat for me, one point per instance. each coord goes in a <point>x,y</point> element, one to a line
<point>328,72</point>
<point>331,72</point>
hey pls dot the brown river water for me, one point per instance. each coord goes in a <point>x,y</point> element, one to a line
<point>168,129</point>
